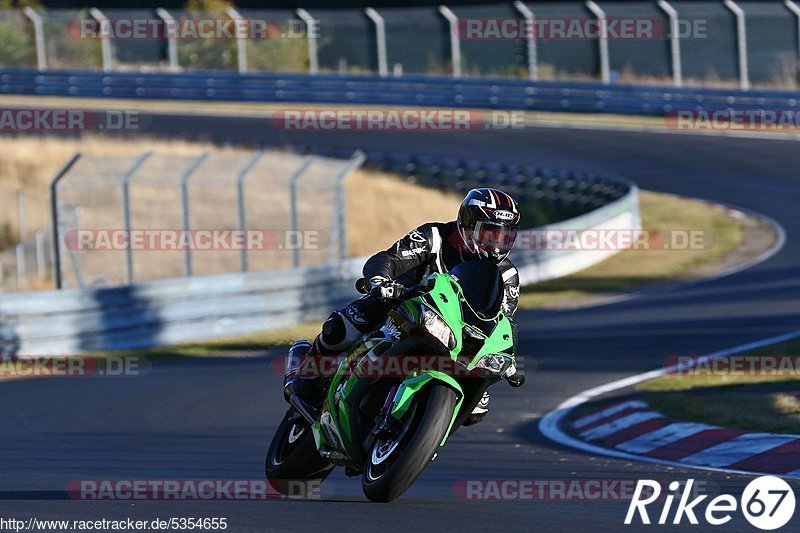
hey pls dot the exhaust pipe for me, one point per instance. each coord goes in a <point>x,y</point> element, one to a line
<point>304,410</point>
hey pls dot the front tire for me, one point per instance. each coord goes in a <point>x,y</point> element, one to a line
<point>293,465</point>
<point>392,466</point>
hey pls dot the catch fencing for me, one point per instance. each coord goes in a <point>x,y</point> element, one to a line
<point>267,210</point>
<point>163,198</point>
<point>695,42</point>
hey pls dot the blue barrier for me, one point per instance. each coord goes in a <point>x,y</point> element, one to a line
<point>499,93</point>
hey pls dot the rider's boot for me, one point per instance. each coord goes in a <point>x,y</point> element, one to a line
<point>301,377</point>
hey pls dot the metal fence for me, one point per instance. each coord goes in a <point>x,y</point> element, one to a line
<point>698,42</point>
<point>121,220</point>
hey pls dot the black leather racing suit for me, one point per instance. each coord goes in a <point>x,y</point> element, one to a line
<point>432,247</point>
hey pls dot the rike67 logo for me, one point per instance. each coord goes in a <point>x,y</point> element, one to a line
<point>767,502</point>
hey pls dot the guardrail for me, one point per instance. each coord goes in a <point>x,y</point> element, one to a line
<point>194,308</point>
<point>501,93</point>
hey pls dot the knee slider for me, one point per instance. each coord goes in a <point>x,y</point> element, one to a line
<point>334,330</point>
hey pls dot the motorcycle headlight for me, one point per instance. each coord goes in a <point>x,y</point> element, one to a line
<point>438,328</point>
<point>494,363</point>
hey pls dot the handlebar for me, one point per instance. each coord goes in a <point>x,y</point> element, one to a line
<point>364,286</point>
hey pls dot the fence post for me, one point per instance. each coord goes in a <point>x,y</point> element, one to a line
<point>293,223</point>
<point>602,40</point>
<point>380,38</point>
<point>241,42</point>
<point>20,250</point>
<point>126,213</point>
<point>532,51</point>
<point>741,40</point>
<point>184,181</point>
<point>38,32</point>
<point>340,220</point>
<point>171,30</point>
<point>455,42</point>
<point>794,8</point>
<point>40,259</point>
<point>71,252</point>
<point>54,216</point>
<point>105,41</point>
<point>674,42</point>
<point>311,30</point>
<point>21,215</point>
<point>240,202</point>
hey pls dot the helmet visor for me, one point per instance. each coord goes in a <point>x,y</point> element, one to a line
<point>493,239</point>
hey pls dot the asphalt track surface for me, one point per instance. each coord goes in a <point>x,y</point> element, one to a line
<point>214,418</point>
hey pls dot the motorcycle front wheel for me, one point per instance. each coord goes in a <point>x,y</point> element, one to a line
<point>393,464</point>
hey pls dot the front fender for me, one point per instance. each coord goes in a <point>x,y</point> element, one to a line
<point>413,384</point>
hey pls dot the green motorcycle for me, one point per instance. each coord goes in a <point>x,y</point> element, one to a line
<point>439,350</point>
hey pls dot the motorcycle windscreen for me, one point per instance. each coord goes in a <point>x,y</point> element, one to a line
<point>481,286</point>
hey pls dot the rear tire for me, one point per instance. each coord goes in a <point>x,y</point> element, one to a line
<point>392,467</point>
<point>293,465</point>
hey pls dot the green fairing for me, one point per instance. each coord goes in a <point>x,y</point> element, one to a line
<point>449,310</point>
<point>500,341</point>
<point>412,385</point>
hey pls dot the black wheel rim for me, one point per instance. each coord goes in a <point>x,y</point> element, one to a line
<point>384,453</point>
<point>290,440</point>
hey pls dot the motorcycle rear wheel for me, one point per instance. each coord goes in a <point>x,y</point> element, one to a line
<point>293,465</point>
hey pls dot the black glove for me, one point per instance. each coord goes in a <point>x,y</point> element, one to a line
<point>386,289</point>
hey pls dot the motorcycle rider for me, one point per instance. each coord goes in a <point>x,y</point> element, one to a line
<point>486,228</point>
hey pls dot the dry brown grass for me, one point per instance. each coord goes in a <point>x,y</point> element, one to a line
<point>634,269</point>
<point>377,204</point>
<point>28,164</point>
<point>382,208</point>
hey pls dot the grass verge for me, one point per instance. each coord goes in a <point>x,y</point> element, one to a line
<point>250,108</point>
<point>769,403</point>
<point>634,269</point>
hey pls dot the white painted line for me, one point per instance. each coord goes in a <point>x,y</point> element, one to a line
<point>619,424</point>
<point>586,420</point>
<point>550,424</point>
<point>737,449</point>
<point>661,437</point>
